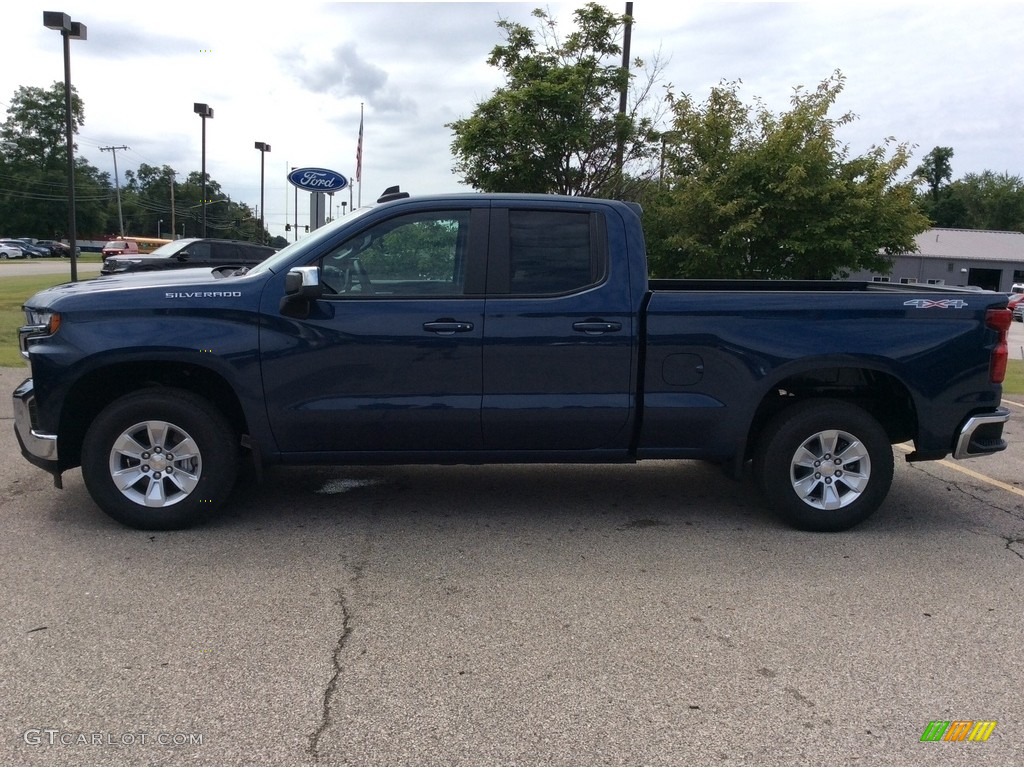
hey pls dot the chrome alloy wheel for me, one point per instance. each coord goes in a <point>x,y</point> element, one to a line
<point>830,469</point>
<point>155,464</point>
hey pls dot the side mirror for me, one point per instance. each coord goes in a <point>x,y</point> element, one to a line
<point>182,256</point>
<point>303,283</point>
<point>301,288</point>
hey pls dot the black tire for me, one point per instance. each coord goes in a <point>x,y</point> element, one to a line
<point>852,475</point>
<point>131,439</point>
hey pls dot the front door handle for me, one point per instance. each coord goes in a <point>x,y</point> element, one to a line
<point>447,327</point>
<point>596,327</point>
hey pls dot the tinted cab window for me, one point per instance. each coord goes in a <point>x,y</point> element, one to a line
<point>551,252</point>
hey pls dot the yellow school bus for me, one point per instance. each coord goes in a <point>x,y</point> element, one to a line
<point>148,244</point>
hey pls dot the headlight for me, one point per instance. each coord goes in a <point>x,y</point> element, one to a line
<point>119,265</point>
<point>47,321</point>
<point>41,323</point>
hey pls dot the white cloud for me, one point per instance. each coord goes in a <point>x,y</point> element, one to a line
<point>341,73</point>
<point>295,75</point>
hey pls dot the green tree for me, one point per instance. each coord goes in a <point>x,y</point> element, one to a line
<point>985,200</point>
<point>749,193</point>
<point>33,168</point>
<point>555,126</point>
<point>33,183</point>
<point>935,169</point>
<point>36,126</point>
<point>146,197</point>
<point>937,202</point>
<point>146,201</point>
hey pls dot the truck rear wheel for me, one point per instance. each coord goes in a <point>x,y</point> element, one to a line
<point>824,465</point>
<point>159,459</point>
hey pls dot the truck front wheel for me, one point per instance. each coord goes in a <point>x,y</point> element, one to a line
<point>824,465</point>
<point>159,459</point>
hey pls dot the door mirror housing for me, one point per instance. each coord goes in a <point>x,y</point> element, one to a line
<point>303,283</point>
<point>301,288</point>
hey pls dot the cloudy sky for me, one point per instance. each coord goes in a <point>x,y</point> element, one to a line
<point>294,75</point>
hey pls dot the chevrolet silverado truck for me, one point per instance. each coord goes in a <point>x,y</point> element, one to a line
<point>499,328</point>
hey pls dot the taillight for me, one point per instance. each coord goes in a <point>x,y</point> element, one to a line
<point>999,320</point>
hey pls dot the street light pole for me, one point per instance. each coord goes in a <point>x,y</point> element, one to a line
<point>263,147</point>
<point>204,111</point>
<point>296,213</point>
<point>69,30</point>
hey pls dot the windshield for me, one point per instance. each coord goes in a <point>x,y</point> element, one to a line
<point>285,255</point>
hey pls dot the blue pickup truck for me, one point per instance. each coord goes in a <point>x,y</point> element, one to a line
<point>499,328</point>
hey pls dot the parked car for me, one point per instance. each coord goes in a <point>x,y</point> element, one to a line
<point>1015,300</point>
<point>1018,312</point>
<point>8,251</point>
<point>64,250</point>
<point>33,250</point>
<point>56,247</point>
<point>191,252</point>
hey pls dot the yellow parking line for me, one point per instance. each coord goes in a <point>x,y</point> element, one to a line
<point>970,472</point>
<point>1010,402</point>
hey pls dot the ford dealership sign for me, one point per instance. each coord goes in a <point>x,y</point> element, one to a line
<point>317,180</point>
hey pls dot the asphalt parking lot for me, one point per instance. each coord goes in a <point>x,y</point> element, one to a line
<point>651,614</point>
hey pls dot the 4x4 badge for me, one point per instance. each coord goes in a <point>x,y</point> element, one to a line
<point>936,303</point>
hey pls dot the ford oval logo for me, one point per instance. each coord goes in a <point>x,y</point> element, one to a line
<point>317,179</point>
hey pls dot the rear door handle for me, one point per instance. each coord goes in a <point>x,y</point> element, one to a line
<point>447,327</point>
<point>596,327</point>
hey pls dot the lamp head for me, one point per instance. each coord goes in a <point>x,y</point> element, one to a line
<point>57,20</point>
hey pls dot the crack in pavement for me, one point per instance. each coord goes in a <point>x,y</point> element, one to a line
<point>1009,545</point>
<point>356,567</point>
<point>1010,540</point>
<point>1014,513</point>
<point>971,494</point>
<point>332,684</point>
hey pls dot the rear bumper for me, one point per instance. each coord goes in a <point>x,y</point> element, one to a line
<point>982,435</point>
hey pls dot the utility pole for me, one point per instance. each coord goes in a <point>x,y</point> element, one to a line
<point>621,148</point>
<point>172,203</point>
<point>117,185</point>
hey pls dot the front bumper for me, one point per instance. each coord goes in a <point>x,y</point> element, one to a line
<point>38,447</point>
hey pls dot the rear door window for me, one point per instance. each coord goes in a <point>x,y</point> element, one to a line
<point>552,252</point>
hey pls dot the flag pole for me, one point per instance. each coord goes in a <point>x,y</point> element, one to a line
<point>359,157</point>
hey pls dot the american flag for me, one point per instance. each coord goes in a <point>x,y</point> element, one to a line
<point>359,150</point>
